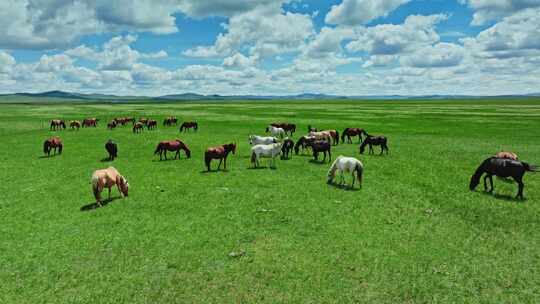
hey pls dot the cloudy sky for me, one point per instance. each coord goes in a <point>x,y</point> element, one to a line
<point>346,47</point>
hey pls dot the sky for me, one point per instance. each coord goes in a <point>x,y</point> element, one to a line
<point>271,47</point>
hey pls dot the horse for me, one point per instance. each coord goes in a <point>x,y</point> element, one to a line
<point>173,146</point>
<point>288,127</point>
<point>287,148</point>
<point>138,127</point>
<point>144,121</point>
<point>374,141</point>
<point>501,167</point>
<point>169,121</point>
<point>189,125</point>
<point>112,124</point>
<point>129,119</point>
<point>152,124</point>
<point>311,129</point>
<point>303,143</point>
<point>90,122</point>
<point>53,143</point>
<point>220,152</point>
<point>75,124</point>
<point>276,132</point>
<point>57,124</point>
<point>322,135</point>
<point>352,132</point>
<point>507,155</point>
<point>261,140</point>
<point>112,149</point>
<point>319,146</point>
<point>269,151</point>
<point>346,164</point>
<point>107,178</point>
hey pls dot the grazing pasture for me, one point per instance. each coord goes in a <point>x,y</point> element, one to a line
<point>413,233</point>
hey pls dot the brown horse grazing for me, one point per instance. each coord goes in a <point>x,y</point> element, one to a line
<point>287,127</point>
<point>507,155</point>
<point>107,178</point>
<point>352,132</point>
<point>172,146</point>
<point>112,124</point>
<point>303,143</point>
<point>138,127</point>
<point>169,121</point>
<point>374,141</point>
<point>57,124</point>
<point>321,146</point>
<point>221,153</point>
<point>287,148</point>
<point>53,143</point>
<point>189,125</point>
<point>90,122</point>
<point>75,124</point>
<point>152,124</point>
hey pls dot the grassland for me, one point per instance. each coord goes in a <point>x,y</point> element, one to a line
<point>413,234</point>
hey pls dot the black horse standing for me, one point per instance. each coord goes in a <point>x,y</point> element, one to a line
<point>502,168</point>
<point>374,141</point>
<point>112,149</point>
<point>287,148</point>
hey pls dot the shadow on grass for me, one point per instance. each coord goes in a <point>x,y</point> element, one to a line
<point>262,168</point>
<point>501,197</point>
<point>106,160</point>
<point>47,156</point>
<point>167,160</point>
<point>104,203</point>
<point>343,187</point>
<point>320,162</point>
<point>214,171</point>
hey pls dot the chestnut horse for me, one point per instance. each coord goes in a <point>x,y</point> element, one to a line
<point>287,127</point>
<point>220,152</point>
<point>75,124</point>
<point>107,178</point>
<point>352,132</point>
<point>57,124</point>
<point>189,125</point>
<point>374,141</point>
<point>173,146</point>
<point>169,121</point>
<point>53,143</point>
<point>90,122</point>
<point>138,127</point>
<point>152,124</point>
<point>328,135</point>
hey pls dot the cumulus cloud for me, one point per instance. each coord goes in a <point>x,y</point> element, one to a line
<point>6,62</point>
<point>356,12</point>
<point>437,56</point>
<point>487,10</point>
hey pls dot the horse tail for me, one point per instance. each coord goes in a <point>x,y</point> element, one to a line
<point>337,137</point>
<point>359,172</point>
<point>95,187</point>
<point>343,135</point>
<point>253,157</point>
<point>60,147</point>
<point>46,146</point>
<point>207,159</point>
<point>530,168</point>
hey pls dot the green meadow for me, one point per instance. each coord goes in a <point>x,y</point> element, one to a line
<point>413,233</point>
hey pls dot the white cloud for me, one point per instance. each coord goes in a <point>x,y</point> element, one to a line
<point>238,60</point>
<point>439,55</point>
<point>6,62</point>
<point>356,12</point>
<point>487,10</point>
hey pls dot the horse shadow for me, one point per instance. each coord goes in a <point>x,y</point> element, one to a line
<point>214,171</point>
<point>104,203</point>
<point>502,197</point>
<point>262,168</point>
<point>319,162</point>
<point>343,187</point>
<point>48,156</point>
<point>106,160</point>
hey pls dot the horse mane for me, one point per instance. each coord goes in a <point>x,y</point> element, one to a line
<point>333,168</point>
<point>475,178</point>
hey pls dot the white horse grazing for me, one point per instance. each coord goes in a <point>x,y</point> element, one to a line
<point>268,151</point>
<point>261,140</point>
<point>276,132</point>
<point>346,164</point>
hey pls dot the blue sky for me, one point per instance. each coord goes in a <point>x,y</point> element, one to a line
<point>351,47</point>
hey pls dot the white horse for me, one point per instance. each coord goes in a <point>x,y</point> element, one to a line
<point>346,164</point>
<point>268,151</point>
<point>276,132</point>
<point>262,140</point>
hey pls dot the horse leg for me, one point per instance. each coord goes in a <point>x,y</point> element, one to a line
<point>177,155</point>
<point>109,193</point>
<point>519,181</point>
<point>329,156</point>
<point>219,165</point>
<point>485,182</point>
<point>382,149</point>
<point>491,183</point>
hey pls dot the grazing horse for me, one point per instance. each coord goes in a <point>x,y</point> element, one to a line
<point>112,124</point>
<point>169,121</point>
<point>321,146</point>
<point>321,135</point>
<point>352,132</point>
<point>53,143</point>
<point>501,167</point>
<point>90,122</point>
<point>303,142</point>
<point>374,141</point>
<point>152,124</point>
<point>507,155</point>
<point>57,124</point>
<point>129,119</point>
<point>173,146</point>
<point>75,124</point>
<point>346,164</point>
<point>138,127</point>
<point>143,120</point>
<point>189,125</point>
<point>107,178</point>
<point>276,132</point>
<point>287,148</point>
<point>288,127</point>
<point>261,140</point>
<point>220,152</point>
<point>112,149</point>
<point>268,151</point>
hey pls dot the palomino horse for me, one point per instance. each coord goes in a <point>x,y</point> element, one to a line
<point>319,146</point>
<point>138,127</point>
<point>374,141</point>
<point>276,132</point>
<point>112,149</point>
<point>57,124</point>
<point>268,151</point>
<point>112,124</point>
<point>75,124</point>
<point>349,165</point>
<point>303,142</point>
<point>189,125</point>
<point>172,146</point>
<point>90,122</point>
<point>352,132</point>
<point>288,127</point>
<point>261,140</point>
<point>169,121</point>
<point>53,143</point>
<point>152,124</point>
<point>507,155</point>
<point>504,168</point>
<point>107,178</point>
<point>287,148</point>
<point>220,152</point>
<point>329,136</point>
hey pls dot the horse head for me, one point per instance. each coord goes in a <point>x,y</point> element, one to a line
<point>124,185</point>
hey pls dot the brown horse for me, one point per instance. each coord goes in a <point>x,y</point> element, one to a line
<point>352,132</point>
<point>172,146</point>
<point>151,124</point>
<point>169,121</point>
<point>138,127</point>
<point>319,146</point>
<point>53,143</point>
<point>107,178</point>
<point>75,124</point>
<point>189,125</point>
<point>328,135</point>
<point>112,124</point>
<point>144,121</point>
<point>57,124</point>
<point>90,122</point>
<point>374,141</point>
<point>288,127</point>
<point>220,152</point>
<point>507,155</point>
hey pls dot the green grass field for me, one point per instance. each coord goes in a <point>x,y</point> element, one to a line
<point>413,234</point>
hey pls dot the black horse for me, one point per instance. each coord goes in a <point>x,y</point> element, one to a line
<point>112,149</point>
<point>374,141</point>
<point>286,148</point>
<point>302,143</point>
<point>319,146</point>
<point>502,168</point>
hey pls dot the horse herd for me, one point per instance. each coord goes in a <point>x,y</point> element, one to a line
<point>503,164</point>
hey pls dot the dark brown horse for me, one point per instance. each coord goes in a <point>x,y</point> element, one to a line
<point>172,146</point>
<point>57,124</point>
<point>287,148</point>
<point>319,146</point>
<point>75,124</point>
<point>303,142</point>
<point>112,124</point>
<point>189,125</point>
<point>112,149</point>
<point>352,132</point>
<point>374,141</point>
<point>138,127</point>
<point>151,124</point>
<point>90,122</point>
<point>169,121</point>
<point>220,152</point>
<point>287,127</point>
<point>53,143</point>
